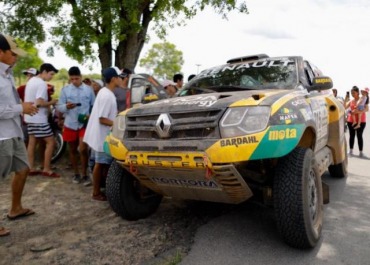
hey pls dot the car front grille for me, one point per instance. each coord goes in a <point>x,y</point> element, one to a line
<point>184,125</point>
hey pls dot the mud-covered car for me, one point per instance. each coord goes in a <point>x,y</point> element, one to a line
<point>255,126</point>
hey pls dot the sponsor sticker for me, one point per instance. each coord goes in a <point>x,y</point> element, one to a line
<point>201,101</point>
<point>192,183</point>
<point>278,135</point>
<point>239,141</point>
<point>287,116</point>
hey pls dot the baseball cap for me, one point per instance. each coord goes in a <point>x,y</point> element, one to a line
<point>8,43</point>
<point>113,71</point>
<point>366,89</point>
<point>166,83</point>
<point>31,71</point>
<point>99,82</point>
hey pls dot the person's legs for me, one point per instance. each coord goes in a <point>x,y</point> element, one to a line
<point>83,148</point>
<point>360,140</point>
<point>352,133</point>
<point>31,151</point>
<point>355,119</point>
<point>18,182</point>
<point>49,149</point>
<point>102,163</point>
<point>358,119</point>
<point>96,179</point>
<point>21,169</point>
<point>73,156</point>
<point>71,137</point>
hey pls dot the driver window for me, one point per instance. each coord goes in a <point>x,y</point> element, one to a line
<point>140,88</point>
<point>309,73</point>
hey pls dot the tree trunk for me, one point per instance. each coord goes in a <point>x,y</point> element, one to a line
<point>128,50</point>
<point>105,55</point>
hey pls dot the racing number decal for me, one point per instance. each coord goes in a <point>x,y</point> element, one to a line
<point>320,114</point>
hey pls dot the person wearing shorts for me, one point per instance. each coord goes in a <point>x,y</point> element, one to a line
<point>37,125</point>
<point>13,154</point>
<point>101,120</point>
<point>75,102</point>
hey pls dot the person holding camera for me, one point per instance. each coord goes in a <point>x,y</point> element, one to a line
<point>75,102</point>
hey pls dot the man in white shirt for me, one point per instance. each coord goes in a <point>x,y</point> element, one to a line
<point>101,119</point>
<point>38,125</point>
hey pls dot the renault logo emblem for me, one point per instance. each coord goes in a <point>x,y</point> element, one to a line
<point>163,126</point>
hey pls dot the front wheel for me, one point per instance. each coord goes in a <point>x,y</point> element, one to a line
<point>127,197</point>
<point>298,199</point>
<point>60,146</point>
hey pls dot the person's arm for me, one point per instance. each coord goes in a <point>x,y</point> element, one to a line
<point>105,121</point>
<point>40,102</point>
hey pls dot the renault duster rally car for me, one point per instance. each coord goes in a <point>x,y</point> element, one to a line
<point>255,126</point>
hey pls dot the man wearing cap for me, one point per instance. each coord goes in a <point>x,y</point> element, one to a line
<point>30,72</point>
<point>37,125</point>
<point>96,85</point>
<point>101,119</point>
<point>76,101</point>
<point>13,154</point>
<point>170,87</point>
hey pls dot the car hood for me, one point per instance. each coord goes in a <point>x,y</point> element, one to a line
<point>212,101</point>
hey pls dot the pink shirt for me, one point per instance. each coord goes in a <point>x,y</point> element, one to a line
<point>353,105</point>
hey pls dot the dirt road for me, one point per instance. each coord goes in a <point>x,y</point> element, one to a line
<point>70,228</point>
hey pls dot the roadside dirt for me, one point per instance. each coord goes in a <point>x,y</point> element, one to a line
<point>70,228</point>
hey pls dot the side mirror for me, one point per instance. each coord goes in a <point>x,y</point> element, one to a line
<point>321,83</point>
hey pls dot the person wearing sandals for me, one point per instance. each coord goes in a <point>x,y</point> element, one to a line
<point>13,153</point>
<point>101,119</point>
<point>37,125</point>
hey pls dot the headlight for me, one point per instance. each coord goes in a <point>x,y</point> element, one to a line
<point>244,120</point>
<point>119,127</point>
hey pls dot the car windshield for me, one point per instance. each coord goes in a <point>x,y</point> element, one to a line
<point>271,73</point>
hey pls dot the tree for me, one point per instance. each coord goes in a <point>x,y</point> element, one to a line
<point>163,59</point>
<point>31,60</point>
<point>89,28</point>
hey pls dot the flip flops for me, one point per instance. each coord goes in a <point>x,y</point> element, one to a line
<point>34,173</point>
<point>4,231</point>
<point>26,213</point>
<point>50,174</point>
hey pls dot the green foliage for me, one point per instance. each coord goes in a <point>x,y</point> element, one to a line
<point>163,59</point>
<point>91,29</point>
<point>30,60</point>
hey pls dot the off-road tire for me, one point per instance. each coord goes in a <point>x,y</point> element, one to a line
<point>340,170</point>
<point>60,146</point>
<point>298,199</point>
<point>121,191</point>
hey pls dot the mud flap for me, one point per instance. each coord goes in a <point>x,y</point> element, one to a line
<point>325,193</point>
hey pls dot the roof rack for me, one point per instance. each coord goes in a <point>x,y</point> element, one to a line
<point>248,58</point>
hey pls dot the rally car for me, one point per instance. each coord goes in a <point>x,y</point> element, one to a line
<point>259,126</point>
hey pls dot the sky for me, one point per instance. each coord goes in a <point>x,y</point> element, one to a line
<point>334,35</point>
